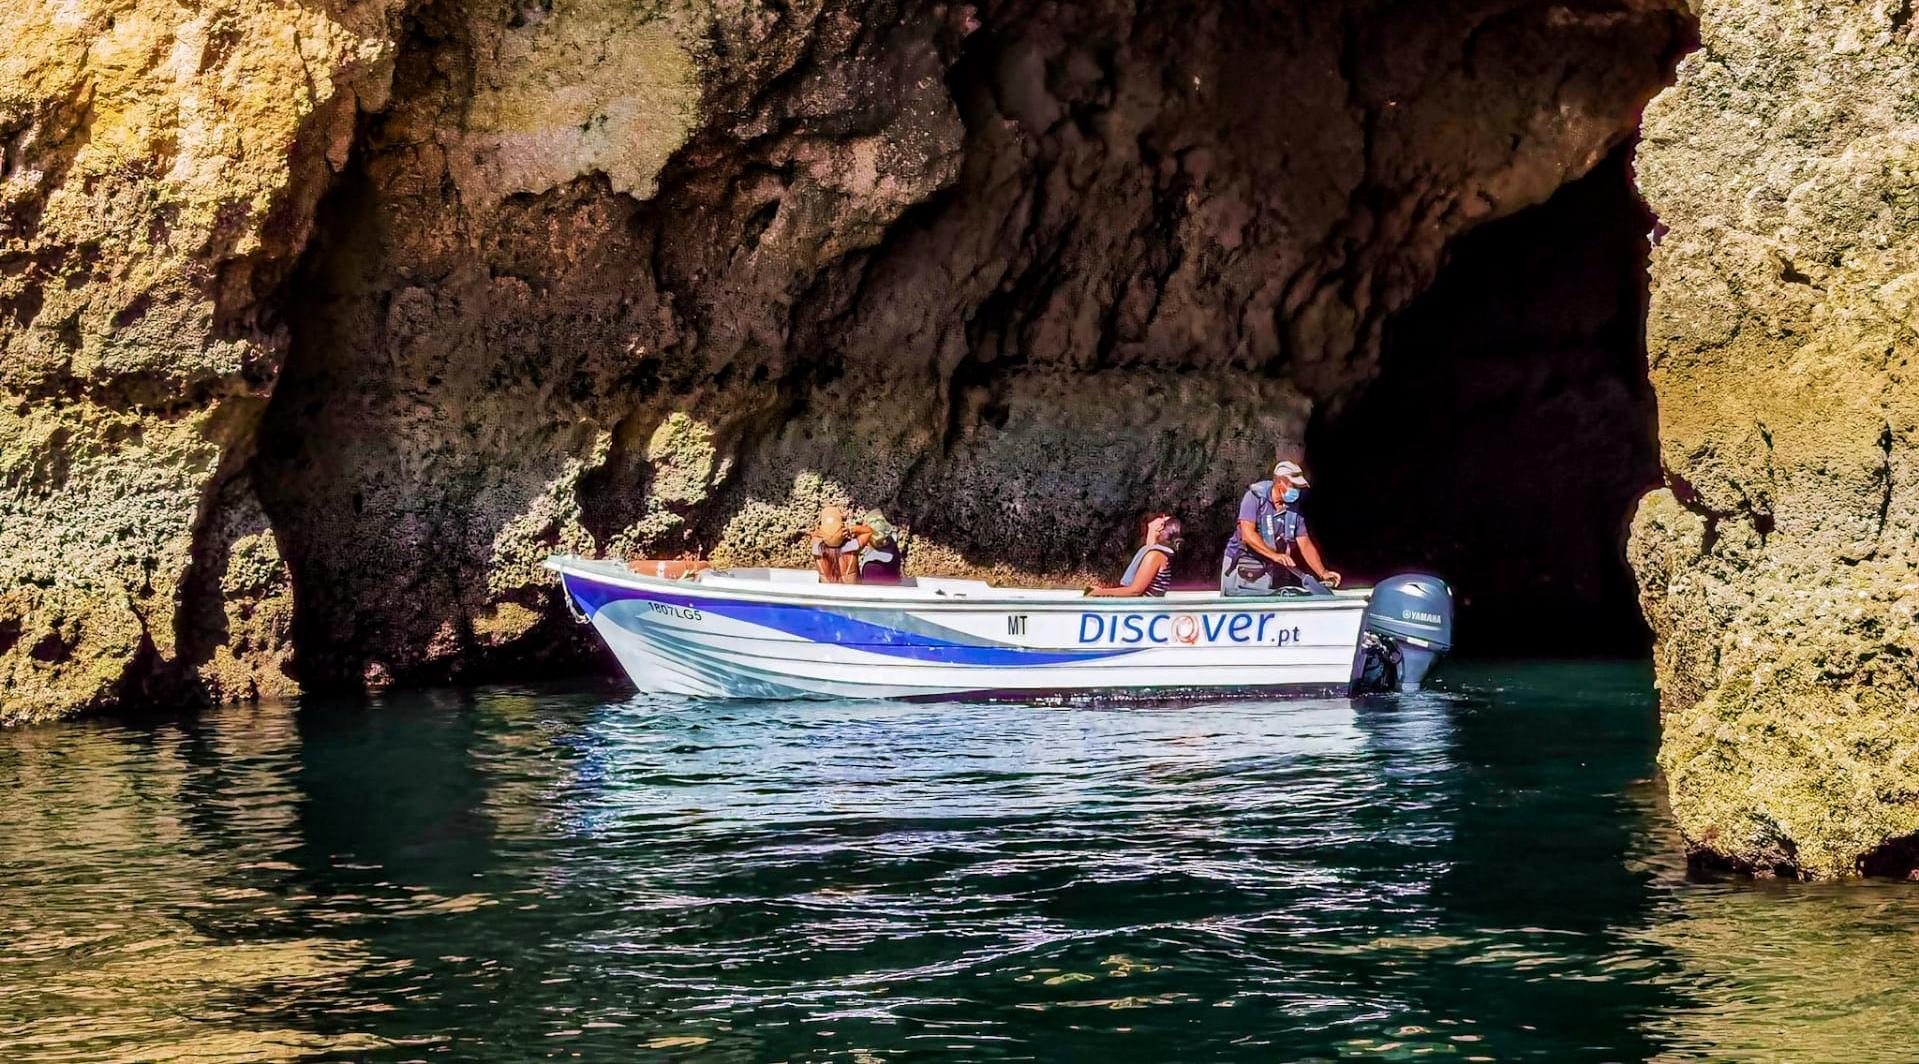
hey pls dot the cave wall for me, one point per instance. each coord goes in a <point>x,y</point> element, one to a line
<point>321,323</point>
<point>1778,566</point>
<point>468,283</point>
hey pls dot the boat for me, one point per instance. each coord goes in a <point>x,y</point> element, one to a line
<point>767,633</point>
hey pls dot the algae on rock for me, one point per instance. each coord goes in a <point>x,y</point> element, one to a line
<point>161,165</point>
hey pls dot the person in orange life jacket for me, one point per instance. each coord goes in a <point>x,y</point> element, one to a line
<point>1264,555</point>
<point>1152,569</point>
<point>852,553</point>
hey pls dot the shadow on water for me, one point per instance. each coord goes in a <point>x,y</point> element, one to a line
<point>504,873</point>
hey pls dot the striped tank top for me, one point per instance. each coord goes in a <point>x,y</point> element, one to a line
<point>1161,580</point>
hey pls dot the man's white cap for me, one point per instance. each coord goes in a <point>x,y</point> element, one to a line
<point>1291,471</point>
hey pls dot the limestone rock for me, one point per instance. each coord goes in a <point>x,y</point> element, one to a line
<point>570,88</point>
<point>161,167</point>
<point>1779,569</point>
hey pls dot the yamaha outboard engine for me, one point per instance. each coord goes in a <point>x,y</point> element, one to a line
<point>1409,626</point>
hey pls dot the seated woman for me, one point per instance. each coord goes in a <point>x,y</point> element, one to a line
<point>1151,571</point>
<point>881,559</point>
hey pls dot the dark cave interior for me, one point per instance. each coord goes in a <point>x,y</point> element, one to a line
<point>1511,429</point>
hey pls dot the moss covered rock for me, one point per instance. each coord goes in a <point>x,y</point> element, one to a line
<point>162,163</point>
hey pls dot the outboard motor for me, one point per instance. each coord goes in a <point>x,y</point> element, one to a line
<point>1409,626</point>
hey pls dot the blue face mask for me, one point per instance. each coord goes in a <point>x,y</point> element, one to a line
<point>1290,495</point>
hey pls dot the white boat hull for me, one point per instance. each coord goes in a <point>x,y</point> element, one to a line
<point>783,634</point>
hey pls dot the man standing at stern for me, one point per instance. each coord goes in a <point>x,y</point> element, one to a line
<point>1260,558</point>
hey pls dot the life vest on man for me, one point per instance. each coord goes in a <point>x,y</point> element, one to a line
<point>1282,529</point>
<point>1279,528</point>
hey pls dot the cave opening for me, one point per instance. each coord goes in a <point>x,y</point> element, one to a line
<point>1511,428</point>
<point>1092,288</point>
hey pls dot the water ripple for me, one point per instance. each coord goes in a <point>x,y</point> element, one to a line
<point>517,873</point>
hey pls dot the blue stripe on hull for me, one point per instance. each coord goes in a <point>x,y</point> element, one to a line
<point>740,679</point>
<point>818,625</point>
<point>1139,696</point>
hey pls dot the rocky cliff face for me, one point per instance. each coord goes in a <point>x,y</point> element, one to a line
<point>161,166</point>
<point>1779,569</point>
<point>324,324</point>
<point>320,325</point>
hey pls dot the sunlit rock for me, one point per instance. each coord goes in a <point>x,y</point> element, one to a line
<point>1778,571</point>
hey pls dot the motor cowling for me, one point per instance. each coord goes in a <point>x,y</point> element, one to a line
<point>1410,621</point>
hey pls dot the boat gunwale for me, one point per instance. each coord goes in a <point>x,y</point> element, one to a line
<point>570,565</point>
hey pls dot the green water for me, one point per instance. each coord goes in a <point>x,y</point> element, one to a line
<point>576,873</point>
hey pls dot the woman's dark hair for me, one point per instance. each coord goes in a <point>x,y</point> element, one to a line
<point>1146,522</point>
<point>1172,532</point>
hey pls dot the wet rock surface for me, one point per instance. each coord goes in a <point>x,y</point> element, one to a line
<point>161,168</point>
<point>1778,569</point>
<point>599,276</point>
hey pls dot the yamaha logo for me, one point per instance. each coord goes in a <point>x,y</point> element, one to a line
<point>1420,616</point>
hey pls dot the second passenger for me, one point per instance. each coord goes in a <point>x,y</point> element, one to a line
<point>1152,569</point>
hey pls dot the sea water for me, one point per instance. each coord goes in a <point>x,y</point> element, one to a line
<point>1479,872</point>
